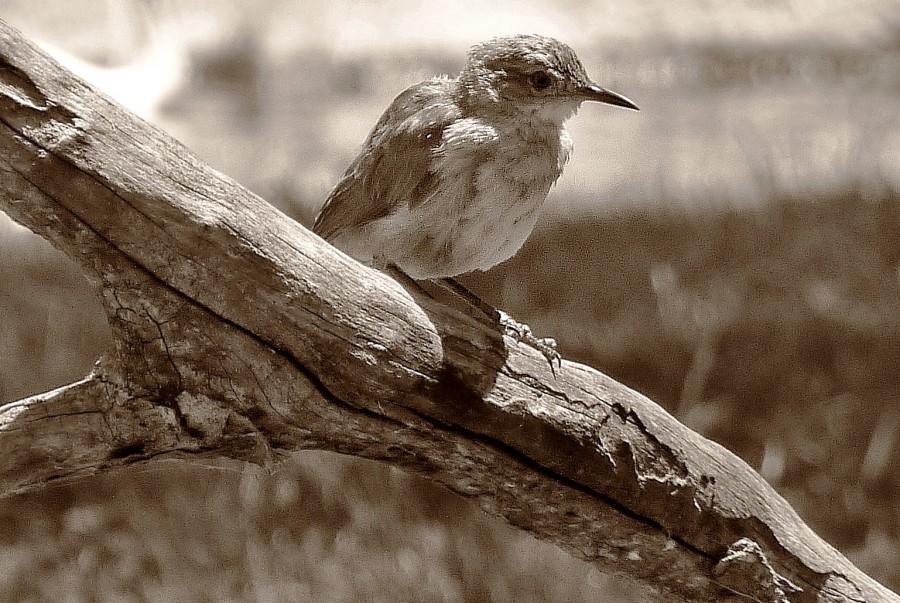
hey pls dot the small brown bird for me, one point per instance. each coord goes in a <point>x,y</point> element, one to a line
<point>453,175</point>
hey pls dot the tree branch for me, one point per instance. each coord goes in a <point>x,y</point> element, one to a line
<point>239,333</point>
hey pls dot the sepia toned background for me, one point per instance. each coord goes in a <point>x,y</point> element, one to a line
<point>732,251</point>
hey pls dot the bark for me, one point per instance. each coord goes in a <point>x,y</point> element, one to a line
<point>238,333</point>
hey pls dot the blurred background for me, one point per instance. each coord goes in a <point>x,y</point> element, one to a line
<point>732,251</point>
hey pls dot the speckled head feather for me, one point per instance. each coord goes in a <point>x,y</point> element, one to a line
<point>515,53</point>
<point>529,74</point>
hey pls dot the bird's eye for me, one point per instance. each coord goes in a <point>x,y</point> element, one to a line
<point>540,80</point>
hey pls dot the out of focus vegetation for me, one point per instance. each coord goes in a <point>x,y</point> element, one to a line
<point>732,251</point>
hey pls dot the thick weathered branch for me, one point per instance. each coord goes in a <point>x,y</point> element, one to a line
<point>238,333</point>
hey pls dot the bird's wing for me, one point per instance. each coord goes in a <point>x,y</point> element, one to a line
<point>394,167</point>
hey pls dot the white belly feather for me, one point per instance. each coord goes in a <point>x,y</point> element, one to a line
<point>485,207</point>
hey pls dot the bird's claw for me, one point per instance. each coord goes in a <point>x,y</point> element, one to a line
<point>522,333</point>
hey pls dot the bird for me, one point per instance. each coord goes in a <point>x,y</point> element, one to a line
<point>453,175</point>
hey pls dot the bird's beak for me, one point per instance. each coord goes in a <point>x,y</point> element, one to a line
<point>593,92</point>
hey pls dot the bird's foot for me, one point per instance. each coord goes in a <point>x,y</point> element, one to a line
<point>522,333</point>
<point>515,329</point>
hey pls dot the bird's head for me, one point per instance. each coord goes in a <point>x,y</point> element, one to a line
<point>531,74</point>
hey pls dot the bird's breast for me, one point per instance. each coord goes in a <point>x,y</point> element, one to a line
<point>491,185</point>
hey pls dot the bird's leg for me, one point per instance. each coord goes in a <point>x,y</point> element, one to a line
<point>517,330</point>
<point>404,279</point>
<point>462,291</point>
